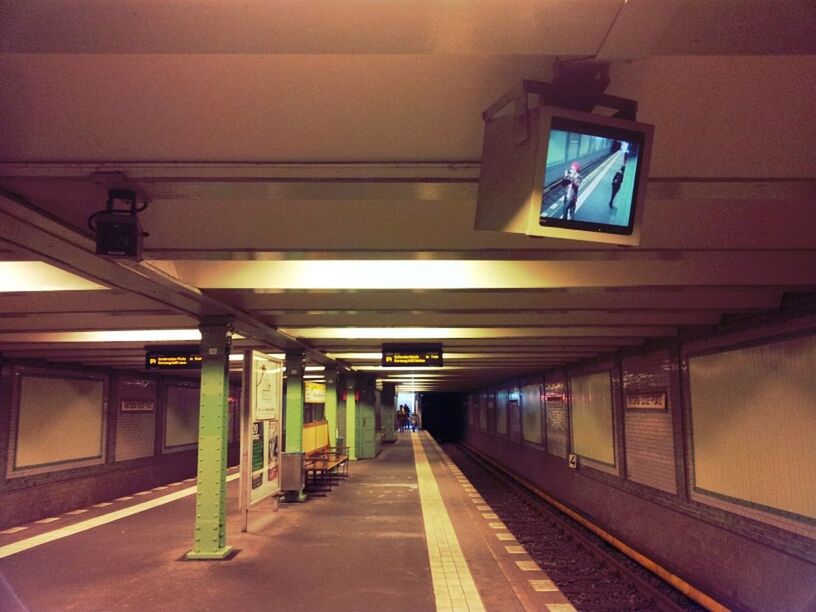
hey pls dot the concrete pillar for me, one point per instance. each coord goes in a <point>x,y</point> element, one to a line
<point>294,411</point>
<point>388,397</point>
<point>211,496</point>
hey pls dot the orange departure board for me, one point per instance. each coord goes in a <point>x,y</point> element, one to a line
<point>173,358</point>
<point>411,355</point>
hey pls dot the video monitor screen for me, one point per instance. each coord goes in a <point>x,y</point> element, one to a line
<point>591,177</point>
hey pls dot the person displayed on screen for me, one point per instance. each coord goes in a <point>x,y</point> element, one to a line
<point>616,184</point>
<point>572,181</point>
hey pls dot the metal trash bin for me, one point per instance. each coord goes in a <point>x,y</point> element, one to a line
<point>293,476</point>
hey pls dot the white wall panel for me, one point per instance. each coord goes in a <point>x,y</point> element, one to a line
<point>531,408</point>
<point>592,433</point>
<point>753,416</point>
<point>501,412</point>
<point>59,420</point>
<point>181,417</point>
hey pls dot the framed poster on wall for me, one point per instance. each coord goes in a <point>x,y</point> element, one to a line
<point>262,410</point>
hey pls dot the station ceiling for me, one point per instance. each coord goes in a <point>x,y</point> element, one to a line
<point>312,171</point>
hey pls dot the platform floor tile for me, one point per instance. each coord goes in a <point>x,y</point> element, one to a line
<point>543,585</point>
<point>454,588</point>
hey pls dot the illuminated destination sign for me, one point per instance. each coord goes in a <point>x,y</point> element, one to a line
<point>173,358</point>
<point>411,355</point>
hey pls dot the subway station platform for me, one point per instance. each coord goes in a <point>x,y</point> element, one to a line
<point>405,531</point>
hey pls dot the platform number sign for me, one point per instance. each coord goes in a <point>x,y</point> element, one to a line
<point>573,461</point>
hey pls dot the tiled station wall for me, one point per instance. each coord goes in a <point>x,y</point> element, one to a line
<point>746,554</point>
<point>127,454</point>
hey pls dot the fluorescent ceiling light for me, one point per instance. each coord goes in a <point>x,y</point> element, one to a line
<point>379,368</point>
<point>356,356</point>
<point>240,356</point>
<point>346,274</point>
<point>447,356</point>
<point>442,333</point>
<point>23,276</point>
<point>418,375</point>
<point>119,335</point>
<point>373,333</point>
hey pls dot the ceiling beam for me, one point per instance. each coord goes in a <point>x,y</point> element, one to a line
<point>29,230</point>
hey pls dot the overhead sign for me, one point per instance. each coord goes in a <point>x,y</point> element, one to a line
<point>314,392</point>
<point>173,358</point>
<point>411,355</point>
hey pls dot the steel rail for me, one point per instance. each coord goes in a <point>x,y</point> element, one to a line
<point>543,507</point>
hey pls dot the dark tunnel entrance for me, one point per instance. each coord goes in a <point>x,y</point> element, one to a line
<point>444,416</point>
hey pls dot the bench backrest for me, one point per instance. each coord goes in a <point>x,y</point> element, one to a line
<point>315,436</point>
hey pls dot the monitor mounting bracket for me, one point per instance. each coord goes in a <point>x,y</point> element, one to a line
<point>581,92</point>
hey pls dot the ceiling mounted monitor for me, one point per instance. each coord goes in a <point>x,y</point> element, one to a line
<point>564,174</point>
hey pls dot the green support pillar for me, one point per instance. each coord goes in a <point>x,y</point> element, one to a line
<point>341,411</point>
<point>365,418</point>
<point>351,417</point>
<point>211,495</point>
<point>388,398</point>
<point>294,412</point>
<point>378,432</point>
<point>330,407</point>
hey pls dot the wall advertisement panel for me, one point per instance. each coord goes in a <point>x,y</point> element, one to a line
<point>261,414</point>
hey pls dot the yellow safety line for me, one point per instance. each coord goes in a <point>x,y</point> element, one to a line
<point>64,532</point>
<point>453,584</point>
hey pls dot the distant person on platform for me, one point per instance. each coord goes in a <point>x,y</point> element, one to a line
<point>616,184</point>
<point>572,181</point>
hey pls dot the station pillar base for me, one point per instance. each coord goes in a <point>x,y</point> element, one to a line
<point>210,555</point>
<point>294,496</point>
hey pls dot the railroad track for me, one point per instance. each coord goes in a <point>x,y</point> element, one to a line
<point>590,572</point>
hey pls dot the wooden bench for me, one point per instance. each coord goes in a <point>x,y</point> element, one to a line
<point>324,464</point>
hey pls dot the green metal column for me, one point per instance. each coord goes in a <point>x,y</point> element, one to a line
<point>294,411</point>
<point>211,497</point>
<point>378,433</point>
<point>330,410</point>
<point>351,417</point>
<point>366,429</point>
<point>388,398</point>
<point>341,409</point>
